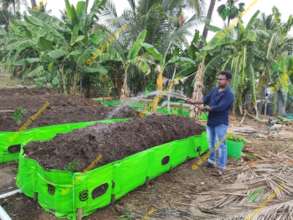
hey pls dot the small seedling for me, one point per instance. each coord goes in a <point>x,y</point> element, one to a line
<point>72,166</point>
<point>236,138</point>
<point>126,215</point>
<point>18,115</point>
<point>256,195</point>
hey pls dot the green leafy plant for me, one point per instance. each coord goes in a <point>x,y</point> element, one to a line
<point>72,166</point>
<point>230,10</point>
<point>236,138</point>
<point>53,52</point>
<point>18,114</point>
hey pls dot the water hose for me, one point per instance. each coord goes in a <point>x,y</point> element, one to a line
<point>11,193</point>
<point>3,214</point>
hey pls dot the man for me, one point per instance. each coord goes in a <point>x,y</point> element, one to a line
<point>218,103</point>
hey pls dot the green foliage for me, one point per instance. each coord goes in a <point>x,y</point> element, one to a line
<point>251,52</point>
<point>237,138</point>
<point>283,74</point>
<point>54,52</point>
<point>157,56</point>
<point>78,52</point>
<point>134,50</point>
<point>72,166</point>
<point>18,115</point>
<point>230,11</point>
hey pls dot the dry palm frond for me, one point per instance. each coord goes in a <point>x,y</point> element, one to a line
<point>261,190</point>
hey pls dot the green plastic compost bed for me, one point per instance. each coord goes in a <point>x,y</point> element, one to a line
<point>10,142</point>
<point>64,192</point>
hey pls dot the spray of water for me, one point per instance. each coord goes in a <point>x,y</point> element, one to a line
<point>131,100</point>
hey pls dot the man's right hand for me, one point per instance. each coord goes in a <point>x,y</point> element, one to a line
<point>190,101</point>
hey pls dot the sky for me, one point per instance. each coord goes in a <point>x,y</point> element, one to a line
<point>265,6</point>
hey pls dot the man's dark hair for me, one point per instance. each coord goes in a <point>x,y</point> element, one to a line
<point>227,74</point>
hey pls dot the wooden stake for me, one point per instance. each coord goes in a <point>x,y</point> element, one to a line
<point>79,214</point>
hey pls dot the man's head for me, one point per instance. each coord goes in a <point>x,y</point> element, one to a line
<point>224,78</point>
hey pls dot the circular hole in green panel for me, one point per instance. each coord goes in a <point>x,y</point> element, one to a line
<point>51,189</point>
<point>165,160</point>
<point>100,190</point>
<point>197,149</point>
<point>14,148</point>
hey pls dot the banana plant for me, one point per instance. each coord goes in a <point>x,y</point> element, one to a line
<point>249,52</point>
<point>237,50</point>
<point>54,52</point>
<point>282,77</point>
<point>276,42</point>
<point>116,52</point>
<point>162,61</point>
<point>234,49</point>
<point>133,58</point>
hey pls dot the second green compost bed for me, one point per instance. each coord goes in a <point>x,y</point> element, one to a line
<point>10,142</point>
<point>64,193</point>
<point>140,106</point>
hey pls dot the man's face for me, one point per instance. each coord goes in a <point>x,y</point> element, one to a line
<point>222,81</point>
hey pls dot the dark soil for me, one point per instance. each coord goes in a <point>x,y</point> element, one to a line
<point>75,151</point>
<point>20,207</point>
<point>62,109</point>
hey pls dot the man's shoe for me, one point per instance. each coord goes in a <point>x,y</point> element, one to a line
<point>220,172</point>
<point>209,165</point>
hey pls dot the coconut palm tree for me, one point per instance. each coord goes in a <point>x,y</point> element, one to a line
<point>166,30</point>
<point>157,17</point>
<point>9,9</point>
<point>208,21</point>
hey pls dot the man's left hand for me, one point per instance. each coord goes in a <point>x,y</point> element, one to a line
<point>205,108</point>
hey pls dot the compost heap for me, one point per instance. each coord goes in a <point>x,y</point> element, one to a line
<point>75,151</point>
<point>62,109</point>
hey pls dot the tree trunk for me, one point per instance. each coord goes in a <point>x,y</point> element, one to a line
<point>170,88</point>
<point>34,4</point>
<point>198,87</point>
<point>158,97</point>
<point>17,6</point>
<point>14,9</point>
<point>74,84</point>
<point>208,21</point>
<point>125,90</point>
<point>281,102</point>
<point>62,77</point>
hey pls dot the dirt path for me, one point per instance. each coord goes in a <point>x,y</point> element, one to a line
<point>7,177</point>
